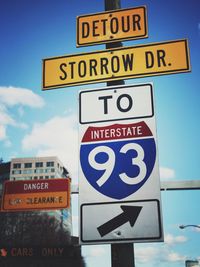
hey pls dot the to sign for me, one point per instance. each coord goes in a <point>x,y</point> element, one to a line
<point>116,25</point>
<point>112,104</point>
<point>119,176</point>
<point>116,64</point>
<point>36,195</point>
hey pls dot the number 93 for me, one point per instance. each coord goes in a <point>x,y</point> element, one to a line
<point>109,164</point>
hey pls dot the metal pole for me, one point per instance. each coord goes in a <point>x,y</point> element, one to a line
<point>112,5</point>
<point>122,255</point>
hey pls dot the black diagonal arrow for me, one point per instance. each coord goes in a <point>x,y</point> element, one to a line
<point>130,213</point>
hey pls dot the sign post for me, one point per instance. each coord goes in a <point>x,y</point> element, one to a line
<point>120,253</point>
<point>119,174</point>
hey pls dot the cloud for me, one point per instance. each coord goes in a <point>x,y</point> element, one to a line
<point>2,132</point>
<point>11,97</point>
<point>147,254</point>
<point>172,240</point>
<point>158,254</point>
<point>97,251</point>
<point>175,257</point>
<point>5,118</point>
<point>167,173</point>
<point>56,137</point>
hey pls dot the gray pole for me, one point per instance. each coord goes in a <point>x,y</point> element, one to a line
<point>122,255</point>
<point>111,5</point>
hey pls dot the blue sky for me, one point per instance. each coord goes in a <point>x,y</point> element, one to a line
<point>36,123</point>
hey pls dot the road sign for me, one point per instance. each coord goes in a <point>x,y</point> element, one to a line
<point>36,195</point>
<point>118,164</point>
<point>116,106</point>
<point>116,64</point>
<point>123,220</point>
<point>115,25</point>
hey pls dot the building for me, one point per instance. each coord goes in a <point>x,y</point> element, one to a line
<point>192,263</point>
<point>4,175</point>
<point>35,228</point>
<point>37,168</point>
<point>33,232</point>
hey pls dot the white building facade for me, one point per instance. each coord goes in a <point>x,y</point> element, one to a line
<point>37,168</point>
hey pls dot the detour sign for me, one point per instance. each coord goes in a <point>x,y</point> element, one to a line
<point>36,195</point>
<point>123,24</point>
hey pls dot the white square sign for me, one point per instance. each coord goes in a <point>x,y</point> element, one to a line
<point>119,185</point>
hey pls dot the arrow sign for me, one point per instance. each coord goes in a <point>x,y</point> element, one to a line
<point>129,214</point>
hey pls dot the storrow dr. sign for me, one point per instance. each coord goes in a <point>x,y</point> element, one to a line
<point>119,187</point>
<point>116,64</point>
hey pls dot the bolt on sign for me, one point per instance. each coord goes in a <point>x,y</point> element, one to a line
<point>116,64</point>
<point>36,195</point>
<point>116,25</point>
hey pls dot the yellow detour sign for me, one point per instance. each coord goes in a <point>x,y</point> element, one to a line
<point>112,26</point>
<point>115,64</point>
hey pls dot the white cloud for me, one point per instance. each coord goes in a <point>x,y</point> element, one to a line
<point>161,253</point>
<point>5,118</point>
<point>167,173</point>
<point>21,111</point>
<point>175,257</point>
<point>96,251</point>
<point>147,254</point>
<point>2,132</point>
<point>171,240</point>
<point>10,97</point>
<point>56,137</point>
<point>157,255</point>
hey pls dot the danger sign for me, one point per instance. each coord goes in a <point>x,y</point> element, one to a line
<point>36,195</point>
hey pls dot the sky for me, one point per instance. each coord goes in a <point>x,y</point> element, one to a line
<point>39,123</point>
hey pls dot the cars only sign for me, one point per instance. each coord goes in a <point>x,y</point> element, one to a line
<point>119,187</point>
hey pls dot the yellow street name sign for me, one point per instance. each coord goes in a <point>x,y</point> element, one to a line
<point>110,26</point>
<point>115,64</point>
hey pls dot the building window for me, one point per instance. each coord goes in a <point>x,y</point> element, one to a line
<point>27,171</point>
<point>35,177</point>
<point>16,172</point>
<point>28,165</point>
<point>39,164</point>
<point>50,164</point>
<point>41,177</point>
<point>39,171</point>
<point>46,177</point>
<point>17,166</point>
